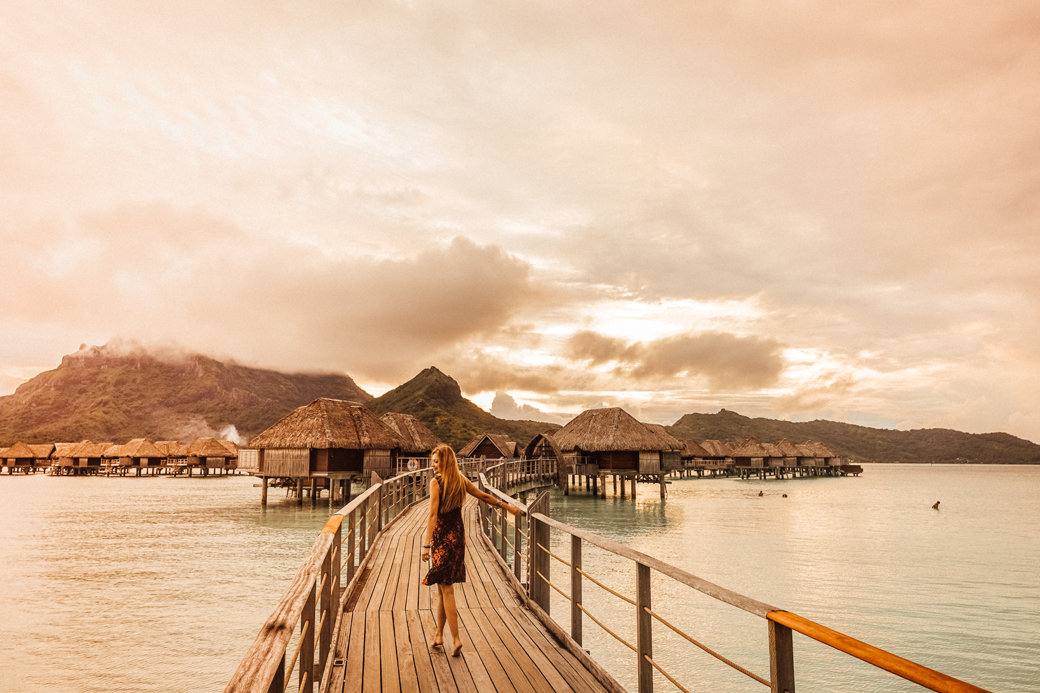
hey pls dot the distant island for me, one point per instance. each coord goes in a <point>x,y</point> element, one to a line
<point>104,393</point>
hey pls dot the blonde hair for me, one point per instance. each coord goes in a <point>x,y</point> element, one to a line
<point>453,484</point>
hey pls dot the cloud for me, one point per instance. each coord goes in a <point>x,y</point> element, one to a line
<point>505,406</point>
<point>728,362</point>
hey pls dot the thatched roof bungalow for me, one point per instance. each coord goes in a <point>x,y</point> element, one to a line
<point>62,454</point>
<point>140,452</point>
<point>89,454</point>
<point>611,438</point>
<point>491,446</point>
<point>415,437</point>
<point>210,453</point>
<point>326,436</point>
<point>750,453</point>
<point>19,456</point>
<point>43,452</point>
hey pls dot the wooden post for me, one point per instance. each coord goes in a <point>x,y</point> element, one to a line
<point>538,558</point>
<point>624,481</point>
<point>633,487</point>
<point>615,484</point>
<point>503,524</point>
<point>329,602</point>
<point>662,485</point>
<point>351,537</point>
<point>306,677</point>
<point>575,588</point>
<point>299,491</point>
<point>379,502</point>
<point>263,494</point>
<point>314,490</point>
<point>781,658</point>
<point>644,629</point>
<point>517,549</point>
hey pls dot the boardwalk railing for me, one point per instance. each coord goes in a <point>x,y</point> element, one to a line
<point>306,611</point>
<point>532,548</point>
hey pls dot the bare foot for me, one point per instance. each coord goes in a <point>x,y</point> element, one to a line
<point>457,651</point>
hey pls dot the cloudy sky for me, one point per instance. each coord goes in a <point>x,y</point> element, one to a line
<point>797,209</point>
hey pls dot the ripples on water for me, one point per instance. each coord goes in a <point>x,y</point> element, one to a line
<point>160,584</point>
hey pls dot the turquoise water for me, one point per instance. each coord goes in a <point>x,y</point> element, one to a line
<point>159,584</point>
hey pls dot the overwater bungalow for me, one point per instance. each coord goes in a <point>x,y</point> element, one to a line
<point>611,442</point>
<point>87,457</point>
<point>491,446</point>
<point>19,458</point>
<point>417,441</point>
<point>696,460</point>
<point>208,454</point>
<point>330,440</point>
<point>140,455</point>
<point>44,454</point>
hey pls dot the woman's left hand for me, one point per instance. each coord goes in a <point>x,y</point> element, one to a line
<point>513,509</point>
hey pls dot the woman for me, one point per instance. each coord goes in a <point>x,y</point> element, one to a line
<point>447,537</point>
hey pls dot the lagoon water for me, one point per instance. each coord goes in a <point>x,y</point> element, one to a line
<point>160,584</point>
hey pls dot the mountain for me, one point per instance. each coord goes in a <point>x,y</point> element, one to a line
<point>865,444</point>
<point>119,392</point>
<point>436,399</point>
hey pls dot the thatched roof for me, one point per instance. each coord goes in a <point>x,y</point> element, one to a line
<point>750,448</point>
<point>547,437</point>
<point>209,447</point>
<point>818,449</point>
<point>789,449</point>
<point>717,448</point>
<point>89,449</point>
<point>772,450</point>
<point>140,447</point>
<point>502,443</point>
<point>329,423</point>
<point>602,430</point>
<point>231,446</point>
<point>42,451</point>
<point>171,448</point>
<point>691,448</point>
<point>64,449</point>
<point>113,451</point>
<point>19,451</point>
<point>415,437</point>
<point>677,445</point>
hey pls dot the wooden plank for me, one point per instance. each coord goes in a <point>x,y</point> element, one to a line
<point>499,680</point>
<point>420,648</point>
<point>517,666</point>
<point>372,668</point>
<point>355,654</point>
<point>556,665</point>
<point>405,656</point>
<point>441,670</point>
<point>338,674</point>
<point>391,678</point>
<point>551,648</point>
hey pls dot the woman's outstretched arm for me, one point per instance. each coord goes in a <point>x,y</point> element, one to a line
<point>494,502</point>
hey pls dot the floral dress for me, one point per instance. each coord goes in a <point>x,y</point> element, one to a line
<point>448,549</point>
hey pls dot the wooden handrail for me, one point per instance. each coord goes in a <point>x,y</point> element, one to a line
<point>911,671</point>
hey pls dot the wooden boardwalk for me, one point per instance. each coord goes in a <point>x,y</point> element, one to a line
<point>387,625</point>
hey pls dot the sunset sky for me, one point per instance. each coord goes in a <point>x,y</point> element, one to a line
<point>793,209</point>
